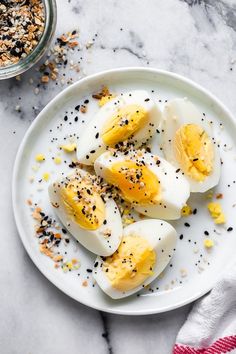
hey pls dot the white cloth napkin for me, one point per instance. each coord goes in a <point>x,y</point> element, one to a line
<point>211,325</point>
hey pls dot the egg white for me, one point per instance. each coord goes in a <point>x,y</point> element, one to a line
<point>173,185</point>
<point>91,145</point>
<point>160,235</point>
<point>178,112</point>
<point>93,240</point>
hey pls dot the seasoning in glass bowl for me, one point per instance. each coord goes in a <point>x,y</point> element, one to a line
<point>21,26</point>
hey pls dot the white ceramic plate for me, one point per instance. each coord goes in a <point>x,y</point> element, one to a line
<point>193,271</point>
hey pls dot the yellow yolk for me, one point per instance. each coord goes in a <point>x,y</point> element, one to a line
<point>138,184</point>
<point>69,147</point>
<point>39,158</point>
<point>105,99</point>
<point>194,151</point>
<point>123,124</point>
<point>57,160</point>
<point>46,176</point>
<point>216,213</point>
<point>83,204</point>
<point>131,264</point>
<point>208,243</point>
<point>186,210</point>
<point>128,221</point>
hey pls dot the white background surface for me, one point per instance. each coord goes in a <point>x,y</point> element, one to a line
<point>195,40</point>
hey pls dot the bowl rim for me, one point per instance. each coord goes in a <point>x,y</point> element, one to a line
<point>20,229</point>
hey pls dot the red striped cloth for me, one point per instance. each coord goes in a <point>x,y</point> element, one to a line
<point>222,345</point>
<point>211,324</point>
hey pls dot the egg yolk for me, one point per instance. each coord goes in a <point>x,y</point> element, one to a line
<point>83,204</point>
<point>123,124</point>
<point>137,183</point>
<point>105,99</point>
<point>216,212</point>
<point>131,264</point>
<point>194,151</point>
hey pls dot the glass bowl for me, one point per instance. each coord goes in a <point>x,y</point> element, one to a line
<point>44,42</point>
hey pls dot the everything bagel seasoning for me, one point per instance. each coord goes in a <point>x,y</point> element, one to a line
<point>21,27</point>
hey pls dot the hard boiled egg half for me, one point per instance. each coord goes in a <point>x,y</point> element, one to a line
<point>145,250</point>
<point>188,144</point>
<point>151,184</point>
<point>94,222</point>
<point>131,116</point>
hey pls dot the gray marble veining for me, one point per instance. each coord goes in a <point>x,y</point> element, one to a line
<point>195,38</point>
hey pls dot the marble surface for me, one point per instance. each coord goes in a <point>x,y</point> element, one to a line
<point>196,38</point>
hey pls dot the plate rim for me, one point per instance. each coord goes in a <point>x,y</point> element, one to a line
<point>18,157</point>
